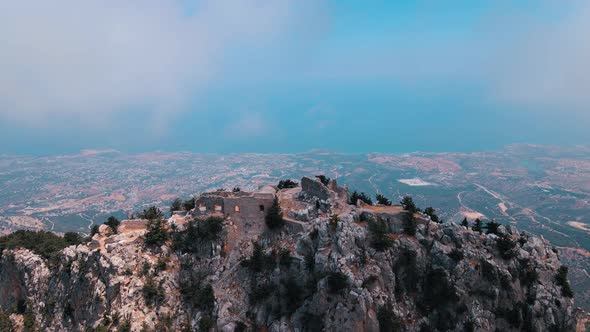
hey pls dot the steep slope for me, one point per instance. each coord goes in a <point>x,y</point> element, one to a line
<point>337,268</point>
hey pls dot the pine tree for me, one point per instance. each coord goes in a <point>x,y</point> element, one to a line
<point>477,226</point>
<point>429,211</point>
<point>382,200</point>
<point>409,224</point>
<point>408,204</point>
<point>274,217</point>
<point>176,205</point>
<point>156,234</point>
<point>492,227</point>
<point>465,222</point>
<point>113,223</point>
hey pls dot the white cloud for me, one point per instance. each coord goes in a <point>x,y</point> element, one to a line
<point>548,63</point>
<point>93,58</point>
<point>247,125</point>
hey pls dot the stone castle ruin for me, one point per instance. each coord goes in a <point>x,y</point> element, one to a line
<point>235,205</point>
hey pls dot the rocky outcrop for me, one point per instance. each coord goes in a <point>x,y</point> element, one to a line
<point>326,274</point>
<point>314,188</point>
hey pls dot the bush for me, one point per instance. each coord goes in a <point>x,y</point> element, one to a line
<point>409,224</point>
<point>93,230</point>
<point>260,292</point>
<point>189,204</point>
<point>240,327</point>
<point>379,235</point>
<point>477,226</point>
<point>465,222</point>
<point>206,323</point>
<point>274,216</point>
<point>153,294</point>
<point>5,322</point>
<point>195,293</point>
<point>382,200</point>
<point>355,197</point>
<point>113,223</point>
<point>506,247</point>
<point>287,184</point>
<point>45,244</point>
<point>236,189</point>
<point>492,227</point>
<point>388,322</point>
<point>151,213</point>
<point>285,257</point>
<point>337,281</point>
<point>210,228</point>
<point>259,261</point>
<point>408,204</point>
<point>176,205</point>
<point>429,211</point>
<point>156,234</point>
<point>323,179</point>
<point>456,255</point>
<point>561,280</point>
<point>73,238</point>
<point>292,294</point>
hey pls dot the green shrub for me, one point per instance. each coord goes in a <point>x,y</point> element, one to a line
<point>73,238</point>
<point>408,204</point>
<point>409,224</point>
<point>5,322</point>
<point>189,204</point>
<point>156,234</point>
<point>382,200</point>
<point>429,211</point>
<point>456,254</point>
<point>153,294</point>
<point>260,292</point>
<point>337,281</point>
<point>388,322</point>
<point>45,244</point>
<point>465,222</point>
<point>292,294</point>
<point>206,323</point>
<point>355,197</point>
<point>285,257</point>
<point>176,205</point>
<point>274,216</point>
<point>492,227</point>
<point>323,179</point>
<point>93,230</point>
<point>506,247</point>
<point>287,184</point>
<point>477,226</point>
<point>240,327</point>
<point>562,280</point>
<point>113,223</point>
<point>151,213</point>
<point>378,230</point>
<point>210,228</point>
<point>259,261</point>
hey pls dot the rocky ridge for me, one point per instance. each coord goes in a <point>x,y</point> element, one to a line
<point>325,274</point>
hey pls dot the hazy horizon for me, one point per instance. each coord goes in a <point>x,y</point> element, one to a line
<point>291,76</point>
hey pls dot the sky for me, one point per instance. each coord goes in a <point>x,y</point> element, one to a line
<point>292,75</point>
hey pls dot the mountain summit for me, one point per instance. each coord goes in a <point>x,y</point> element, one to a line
<point>289,258</point>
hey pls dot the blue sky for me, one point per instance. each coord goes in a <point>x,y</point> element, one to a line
<point>290,76</point>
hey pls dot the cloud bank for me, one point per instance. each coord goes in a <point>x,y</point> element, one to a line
<point>91,59</point>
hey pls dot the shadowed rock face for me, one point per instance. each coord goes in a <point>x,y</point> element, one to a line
<point>446,277</point>
<point>314,188</point>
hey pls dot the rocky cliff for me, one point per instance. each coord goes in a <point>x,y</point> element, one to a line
<point>341,268</point>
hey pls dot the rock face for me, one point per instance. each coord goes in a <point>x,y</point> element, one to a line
<point>320,275</point>
<point>314,188</point>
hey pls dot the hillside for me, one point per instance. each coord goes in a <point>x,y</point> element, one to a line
<point>327,265</point>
